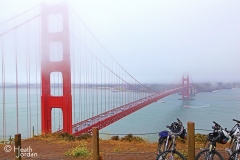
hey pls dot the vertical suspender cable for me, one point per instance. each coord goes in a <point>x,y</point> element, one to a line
<point>40,86</point>
<point>92,81</point>
<point>60,92</point>
<point>84,84</point>
<point>3,90</point>
<point>85,112</point>
<point>96,83</point>
<point>74,81</point>
<point>80,82</point>
<point>27,48</point>
<point>122,86</point>
<point>87,107</point>
<point>91,97</point>
<point>36,76</point>
<point>109,98</point>
<point>105,90</point>
<point>110,86</point>
<point>16,69</point>
<point>89,83</point>
<point>54,110</point>
<point>101,87</point>
<point>27,81</point>
<point>29,89</point>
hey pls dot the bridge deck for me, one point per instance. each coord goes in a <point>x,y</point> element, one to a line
<point>111,116</point>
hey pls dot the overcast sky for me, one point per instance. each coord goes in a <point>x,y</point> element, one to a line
<point>158,40</point>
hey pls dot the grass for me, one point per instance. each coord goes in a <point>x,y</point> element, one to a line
<point>81,146</point>
<point>79,151</point>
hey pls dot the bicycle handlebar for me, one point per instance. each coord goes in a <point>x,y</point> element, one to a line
<point>236,120</point>
<point>178,120</point>
<point>216,124</point>
<point>168,126</point>
<point>219,127</point>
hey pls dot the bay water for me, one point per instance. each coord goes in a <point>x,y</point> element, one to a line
<point>221,106</point>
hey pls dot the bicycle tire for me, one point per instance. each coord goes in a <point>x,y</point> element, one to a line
<point>162,144</point>
<point>232,156</point>
<point>165,155</point>
<point>215,155</point>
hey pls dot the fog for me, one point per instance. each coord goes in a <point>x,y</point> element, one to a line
<point>155,41</point>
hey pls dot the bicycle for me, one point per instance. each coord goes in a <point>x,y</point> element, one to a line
<point>169,150</point>
<point>219,135</point>
<point>234,150</point>
<point>164,141</point>
<point>216,128</point>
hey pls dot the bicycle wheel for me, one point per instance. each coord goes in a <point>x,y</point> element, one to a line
<point>162,144</point>
<point>170,154</point>
<point>235,155</point>
<point>207,155</point>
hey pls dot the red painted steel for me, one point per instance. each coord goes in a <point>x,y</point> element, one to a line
<point>137,105</point>
<point>185,91</point>
<point>48,102</point>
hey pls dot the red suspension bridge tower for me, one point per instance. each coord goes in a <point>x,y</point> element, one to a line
<point>185,91</point>
<point>48,37</point>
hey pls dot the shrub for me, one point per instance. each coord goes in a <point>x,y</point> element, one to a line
<point>66,136</point>
<point>129,137</point>
<point>200,137</point>
<point>84,136</point>
<point>79,151</point>
<point>115,138</point>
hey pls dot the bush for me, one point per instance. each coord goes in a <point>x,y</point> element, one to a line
<point>116,138</point>
<point>129,137</point>
<point>200,137</point>
<point>66,136</point>
<point>79,151</point>
<point>84,136</point>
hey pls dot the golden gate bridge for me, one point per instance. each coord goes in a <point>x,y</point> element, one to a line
<point>54,72</point>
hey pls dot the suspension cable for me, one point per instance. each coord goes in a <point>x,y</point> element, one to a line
<point>19,14</point>
<point>108,52</point>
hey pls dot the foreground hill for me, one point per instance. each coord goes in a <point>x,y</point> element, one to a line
<point>64,146</point>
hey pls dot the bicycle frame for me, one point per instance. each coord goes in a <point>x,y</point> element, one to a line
<point>235,142</point>
<point>170,150</point>
<point>167,142</point>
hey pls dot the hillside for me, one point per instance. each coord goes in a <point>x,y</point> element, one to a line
<point>52,147</point>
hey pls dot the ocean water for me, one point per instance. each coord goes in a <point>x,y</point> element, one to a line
<point>221,106</point>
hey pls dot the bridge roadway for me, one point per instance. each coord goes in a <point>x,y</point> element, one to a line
<point>104,119</point>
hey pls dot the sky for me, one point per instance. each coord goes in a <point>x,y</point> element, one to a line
<point>159,40</point>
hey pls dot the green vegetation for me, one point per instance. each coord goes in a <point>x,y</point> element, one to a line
<point>200,137</point>
<point>79,151</point>
<point>129,137</point>
<point>65,136</point>
<point>81,146</point>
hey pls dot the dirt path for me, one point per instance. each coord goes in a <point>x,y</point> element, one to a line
<point>51,149</point>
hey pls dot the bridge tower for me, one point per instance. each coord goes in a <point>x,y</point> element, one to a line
<point>185,91</point>
<point>48,37</point>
